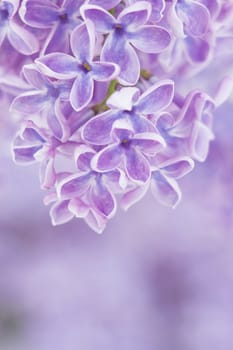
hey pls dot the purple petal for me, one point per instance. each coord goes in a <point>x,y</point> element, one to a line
<point>137,166</point>
<point>103,21</point>
<point>83,155</point>
<point>97,130</point>
<point>39,13</point>
<point>58,65</point>
<point>165,190</point>
<point>150,39</point>
<point>104,71</point>
<point>29,102</point>
<point>149,143</point>
<point>195,17</point>
<point>58,40</point>
<point>157,97</point>
<point>22,40</point>
<point>107,159</point>
<point>82,91</point>
<point>60,213</point>
<point>82,41</point>
<point>103,200</point>
<point>74,186</point>
<point>135,15</point>
<point>198,50</point>
<point>25,154</point>
<point>117,50</point>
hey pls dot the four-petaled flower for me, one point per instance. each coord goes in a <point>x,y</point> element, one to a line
<point>128,30</point>
<point>81,68</point>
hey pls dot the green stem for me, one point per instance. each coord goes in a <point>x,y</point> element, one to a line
<point>102,106</point>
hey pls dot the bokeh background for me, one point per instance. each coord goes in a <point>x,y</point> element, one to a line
<point>156,279</point>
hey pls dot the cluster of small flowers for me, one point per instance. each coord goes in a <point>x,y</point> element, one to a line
<point>96,86</point>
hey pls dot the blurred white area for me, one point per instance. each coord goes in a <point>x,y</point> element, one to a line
<point>156,279</point>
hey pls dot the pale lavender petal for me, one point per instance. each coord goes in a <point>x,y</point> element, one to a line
<point>137,166</point>
<point>123,131</point>
<point>33,76</point>
<point>176,167</point>
<point>200,140</point>
<point>97,130</point>
<point>165,190</point>
<point>135,15</point>
<point>47,174</point>
<point>194,16</point>
<point>106,4</point>
<point>60,213</point>
<point>224,91</point>
<point>103,20</point>
<point>150,39</point>
<point>29,102</point>
<point>133,196</point>
<point>158,7</point>
<point>104,71</point>
<point>58,65</point>
<point>78,208</point>
<point>22,40</point>
<point>117,50</point>
<point>74,185</point>
<point>82,41</point>
<point>124,99</point>
<point>54,123</point>
<point>3,32</point>
<point>157,97</point>
<point>107,159</point>
<point>39,13</point>
<point>82,91</point>
<point>96,221</point>
<point>103,200</point>
<point>149,143</point>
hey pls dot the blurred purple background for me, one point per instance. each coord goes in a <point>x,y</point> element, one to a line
<point>157,279</point>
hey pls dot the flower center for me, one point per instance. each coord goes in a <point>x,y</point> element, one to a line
<point>119,28</point>
<point>87,67</point>
<point>5,10</point>
<point>125,143</point>
<point>63,17</point>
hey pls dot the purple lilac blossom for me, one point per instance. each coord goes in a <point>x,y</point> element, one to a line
<point>81,67</point>
<point>113,99</point>
<point>129,30</point>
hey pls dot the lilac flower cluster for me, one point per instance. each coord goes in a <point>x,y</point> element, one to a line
<point>101,94</point>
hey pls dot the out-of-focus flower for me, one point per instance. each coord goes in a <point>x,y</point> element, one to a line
<point>21,39</point>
